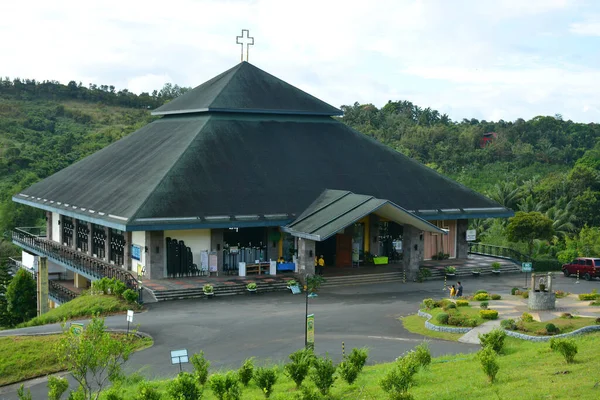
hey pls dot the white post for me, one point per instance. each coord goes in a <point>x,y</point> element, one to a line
<point>242,268</point>
<point>272,267</point>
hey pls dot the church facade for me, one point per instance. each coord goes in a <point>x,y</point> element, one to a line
<point>245,168</point>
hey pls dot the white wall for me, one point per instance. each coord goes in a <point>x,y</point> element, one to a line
<point>196,239</point>
<point>139,239</point>
<point>55,227</point>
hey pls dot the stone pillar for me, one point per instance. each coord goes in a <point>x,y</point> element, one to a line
<point>216,245</point>
<point>90,244</point>
<point>127,251</point>
<point>155,257</point>
<point>48,225</point>
<point>42,285</point>
<point>107,244</point>
<point>462,246</point>
<point>79,281</point>
<point>306,257</point>
<point>272,251</point>
<point>412,245</point>
<point>374,233</point>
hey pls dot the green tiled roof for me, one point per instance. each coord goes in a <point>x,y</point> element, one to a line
<point>248,89</point>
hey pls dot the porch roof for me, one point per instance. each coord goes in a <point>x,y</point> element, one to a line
<point>334,210</point>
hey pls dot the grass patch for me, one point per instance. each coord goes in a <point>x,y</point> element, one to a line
<point>82,306</point>
<point>565,325</point>
<point>468,311</point>
<point>26,357</point>
<point>527,370</point>
<point>416,324</point>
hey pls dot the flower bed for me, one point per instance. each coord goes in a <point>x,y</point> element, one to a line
<point>464,316</point>
<point>563,325</point>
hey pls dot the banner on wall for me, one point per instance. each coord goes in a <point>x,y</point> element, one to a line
<point>212,261</point>
<point>136,252</point>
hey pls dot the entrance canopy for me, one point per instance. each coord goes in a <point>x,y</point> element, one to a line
<point>334,210</point>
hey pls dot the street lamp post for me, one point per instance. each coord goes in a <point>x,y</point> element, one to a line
<point>306,311</point>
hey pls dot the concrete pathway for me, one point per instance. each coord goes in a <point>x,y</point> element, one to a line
<point>472,336</point>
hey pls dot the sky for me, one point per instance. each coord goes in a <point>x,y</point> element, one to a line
<point>484,59</point>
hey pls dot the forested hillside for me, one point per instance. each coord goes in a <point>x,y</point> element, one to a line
<point>544,164</point>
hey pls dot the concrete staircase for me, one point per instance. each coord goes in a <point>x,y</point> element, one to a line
<point>363,279</point>
<point>506,266</point>
<point>220,289</point>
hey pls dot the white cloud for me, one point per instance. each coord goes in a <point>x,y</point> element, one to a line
<point>589,27</point>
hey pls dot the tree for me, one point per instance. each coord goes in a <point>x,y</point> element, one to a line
<point>21,297</point>
<point>526,227</point>
<point>5,278</point>
<point>93,357</point>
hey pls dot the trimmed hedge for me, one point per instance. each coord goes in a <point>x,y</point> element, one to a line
<point>496,297</point>
<point>589,296</point>
<point>481,297</point>
<point>488,314</point>
<point>462,303</point>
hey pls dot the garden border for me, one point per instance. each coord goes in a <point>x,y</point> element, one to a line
<point>437,328</point>
<point>530,338</point>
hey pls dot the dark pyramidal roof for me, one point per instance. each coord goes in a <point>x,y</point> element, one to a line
<point>244,168</point>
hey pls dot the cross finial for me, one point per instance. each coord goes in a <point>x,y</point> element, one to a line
<point>245,39</point>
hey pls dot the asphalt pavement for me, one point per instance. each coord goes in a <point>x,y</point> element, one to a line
<point>270,326</point>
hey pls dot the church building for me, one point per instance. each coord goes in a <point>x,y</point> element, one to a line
<point>246,168</point>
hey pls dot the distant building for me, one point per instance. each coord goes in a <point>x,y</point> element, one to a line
<point>487,139</point>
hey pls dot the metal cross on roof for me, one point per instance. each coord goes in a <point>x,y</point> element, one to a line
<point>245,39</point>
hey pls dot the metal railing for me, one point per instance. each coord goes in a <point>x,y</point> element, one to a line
<point>55,289</point>
<point>499,251</point>
<point>75,260</point>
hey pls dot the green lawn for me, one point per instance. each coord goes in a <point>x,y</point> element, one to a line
<point>565,325</point>
<point>416,324</point>
<point>26,357</point>
<point>527,371</point>
<point>82,306</point>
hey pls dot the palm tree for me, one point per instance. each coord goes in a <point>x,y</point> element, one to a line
<point>528,204</point>
<point>506,194</point>
<point>563,220</point>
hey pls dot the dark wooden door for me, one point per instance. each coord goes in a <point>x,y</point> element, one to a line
<point>343,251</point>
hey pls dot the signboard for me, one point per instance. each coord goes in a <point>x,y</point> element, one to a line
<point>129,315</point>
<point>179,356</point>
<point>204,260</point>
<point>212,262</point>
<point>526,267</point>
<point>310,330</point>
<point>471,235</point>
<point>76,328</point>
<point>136,252</point>
<point>234,249</point>
<point>29,260</point>
<point>295,289</point>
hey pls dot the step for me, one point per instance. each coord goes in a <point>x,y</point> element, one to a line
<point>220,290</point>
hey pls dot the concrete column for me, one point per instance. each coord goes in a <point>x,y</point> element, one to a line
<point>462,246</point>
<point>127,251</point>
<point>156,255</point>
<point>374,233</point>
<point>412,245</point>
<point>42,286</point>
<point>272,251</point>
<point>107,244</point>
<point>79,281</point>
<point>48,225</point>
<point>90,248</point>
<point>216,245</point>
<point>75,224</point>
<point>306,257</point>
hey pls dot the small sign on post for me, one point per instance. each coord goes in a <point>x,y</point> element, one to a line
<point>526,267</point>
<point>471,235</point>
<point>179,357</point>
<point>129,319</point>
<point>76,328</point>
<point>310,331</point>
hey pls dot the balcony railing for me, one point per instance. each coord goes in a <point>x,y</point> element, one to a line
<point>72,259</point>
<point>498,251</point>
<point>55,290</point>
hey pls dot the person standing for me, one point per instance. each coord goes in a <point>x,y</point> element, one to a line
<point>452,291</point>
<point>321,265</point>
<point>317,265</point>
<point>459,290</point>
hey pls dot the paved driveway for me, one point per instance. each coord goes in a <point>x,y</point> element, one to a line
<point>270,326</point>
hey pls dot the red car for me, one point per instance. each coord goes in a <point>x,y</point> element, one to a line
<point>588,268</point>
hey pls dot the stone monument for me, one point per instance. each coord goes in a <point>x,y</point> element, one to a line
<point>541,296</point>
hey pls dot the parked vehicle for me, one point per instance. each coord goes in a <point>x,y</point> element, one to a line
<point>587,268</point>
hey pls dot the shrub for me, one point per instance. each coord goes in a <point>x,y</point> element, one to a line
<point>226,387</point>
<point>496,265</point>
<point>481,291</point>
<point>588,296</point>
<point>246,371</point>
<point>147,391</point>
<point>514,291</point>
<point>423,354</point>
<point>481,297</point>
<point>208,288</point>
<point>113,394</point>
<point>308,393</point>
<point>265,379</point>
<point>442,318</point>
<point>494,339</point>
<point>595,303</point>
<point>560,294</point>
<point>201,366</point>
<point>487,358</point>
<point>184,387</point>
<point>461,320</point>
<point>442,303</point>
<point>525,294</point>
<point>508,324</point>
<point>348,371</point>
<point>398,380</point>
<point>566,315</point>
<point>57,387</point>
<point>484,305</point>
<point>488,314</point>
<point>358,357</point>
<point>496,297</point>
<point>462,303</point>
<point>322,374</point>
<point>449,306</point>
<point>300,365</point>
<point>428,303</point>
<point>551,328</point>
<point>566,347</point>
<point>291,282</point>
<point>118,287</point>
<point>251,286</point>
<point>526,317</point>
<point>130,296</point>
<point>450,270</point>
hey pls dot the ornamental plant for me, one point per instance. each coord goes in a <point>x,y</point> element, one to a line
<point>291,283</point>
<point>322,374</point>
<point>487,357</point>
<point>566,347</point>
<point>462,303</point>
<point>496,266</point>
<point>246,371</point>
<point>226,386</point>
<point>488,314</point>
<point>298,369</point>
<point>265,379</point>
<point>208,288</point>
<point>201,365</point>
<point>481,297</point>
<point>494,339</point>
<point>251,286</point>
<point>450,270</point>
<point>496,297</point>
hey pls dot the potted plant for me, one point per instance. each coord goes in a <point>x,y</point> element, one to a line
<point>208,290</point>
<point>291,283</point>
<point>251,287</point>
<point>476,272</point>
<point>450,270</point>
<point>496,267</point>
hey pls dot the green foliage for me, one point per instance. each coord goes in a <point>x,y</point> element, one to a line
<point>147,391</point>
<point>496,297</point>
<point>526,317</point>
<point>322,373</point>
<point>184,387</point>
<point>208,288</point>
<point>484,305</point>
<point>442,318</point>
<point>201,366</point>
<point>450,270</point>
<point>422,354</point>
<point>462,303</point>
<point>423,274</point>
<point>226,386</point>
<point>57,387</point>
<point>348,371</point>
<point>525,294</point>
<point>113,393</point>
<point>429,303</point>
<point>488,314</point>
<point>526,227</point>
<point>481,297</point>
<point>298,369</point>
<point>514,291</point>
<point>588,296</point>
<point>566,347</point>
<point>487,358</point>
<point>399,379</point>
<point>22,394</point>
<point>509,324</point>
<point>551,328</point>
<point>481,291</point>
<point>246,371</point>
<point>314,282</point>
<point>109,286</point>
<point>449,306</point>
<point>265,379</point>
<point>494,339</point>
<point>496,265</point>
<point>358,357</point>
<point>308,393</point>
<point>21,297</point>
<point>251,286</point>
<point>6,319</point>
<point>130,296</point>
